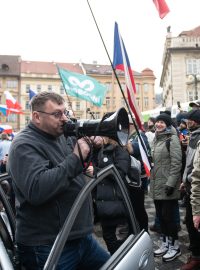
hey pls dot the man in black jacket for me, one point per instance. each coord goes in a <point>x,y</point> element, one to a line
<point>47,176</point>
<point>193,125</point>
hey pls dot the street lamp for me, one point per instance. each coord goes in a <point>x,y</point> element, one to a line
<point>195,78</point>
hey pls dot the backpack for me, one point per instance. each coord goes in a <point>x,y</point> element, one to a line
<point>167,143</point>
<point>133,177</point>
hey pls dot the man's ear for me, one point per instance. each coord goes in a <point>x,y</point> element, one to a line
<point>36,117</point>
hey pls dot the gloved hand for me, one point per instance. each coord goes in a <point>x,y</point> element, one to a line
<point>169,190</point>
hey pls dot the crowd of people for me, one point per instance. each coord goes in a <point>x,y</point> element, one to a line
<point>47,172</point>
<point>175,152</point>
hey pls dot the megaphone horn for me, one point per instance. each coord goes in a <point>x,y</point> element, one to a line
<point>115,126</point>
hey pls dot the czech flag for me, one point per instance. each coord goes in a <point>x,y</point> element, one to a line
<point>11,101</point>
<point>121,62</point>
<point>6,128</point>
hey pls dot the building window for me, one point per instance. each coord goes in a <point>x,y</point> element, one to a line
<point>78,106</point>
<point>137,86</point>
<point>27,119</point>
<point>123,85</point>
<point>193,66</point>
<point>69,105</point>
<point>123,104</point>
<point>11,84</point>
<point>107,102</point>
<point>146,87</point>
<point>192,95</point>
<point>146,102</point>
<point>12,118</point>
<point>50,88</point>
<point>108,86</point>
<point>138,101</point>
<point>28,88</point>
<point>62,90</point>
<point>27,106</point>
<point>38,88</point>
<point>97,115</point>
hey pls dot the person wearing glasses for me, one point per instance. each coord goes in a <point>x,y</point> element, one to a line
<point>47,175</point>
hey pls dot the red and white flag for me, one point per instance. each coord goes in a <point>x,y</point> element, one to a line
<point>121,62</point>
<point>145,159</point>
<point>11,101</point>
<point>162,8</point>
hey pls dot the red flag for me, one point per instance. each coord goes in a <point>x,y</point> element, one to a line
<point>121,62</point>
<point>11,101</point>
<point>161,7</point>
<point>12,105</point>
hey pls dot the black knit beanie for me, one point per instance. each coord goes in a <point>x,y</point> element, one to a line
<point>165,118</point>
<point>194,115</point>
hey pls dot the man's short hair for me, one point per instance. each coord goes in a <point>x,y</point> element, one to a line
<point>38,101</point>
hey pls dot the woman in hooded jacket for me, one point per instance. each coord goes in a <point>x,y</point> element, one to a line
<point>164,184</point>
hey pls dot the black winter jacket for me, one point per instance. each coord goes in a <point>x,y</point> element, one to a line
<point>47,178</point>
<point>109,201</point>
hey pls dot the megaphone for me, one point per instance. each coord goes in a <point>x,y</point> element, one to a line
<point>114,126</point>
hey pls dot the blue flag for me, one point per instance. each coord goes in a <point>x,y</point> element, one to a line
<point>83,87</point>
<point>31,94</point>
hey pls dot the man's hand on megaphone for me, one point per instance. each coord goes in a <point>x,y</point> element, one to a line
<point>83,148</point>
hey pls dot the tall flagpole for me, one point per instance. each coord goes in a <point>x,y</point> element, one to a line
<point>119,84</point>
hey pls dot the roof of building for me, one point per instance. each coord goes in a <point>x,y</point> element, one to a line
<point>10,65</point>
<point>47,67</point>
<point>148,72</point>
<point>103,69</point>
<point>193,32</point>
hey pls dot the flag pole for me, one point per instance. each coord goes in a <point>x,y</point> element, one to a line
<point>65,91</point>
<point>119,84</point>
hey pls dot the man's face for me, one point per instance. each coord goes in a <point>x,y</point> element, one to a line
<point>191,125</point>
<point>48,120</point>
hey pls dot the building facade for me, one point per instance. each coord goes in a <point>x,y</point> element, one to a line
<point>43,76</point>
<point>10,81</point>
<point>180,78</point>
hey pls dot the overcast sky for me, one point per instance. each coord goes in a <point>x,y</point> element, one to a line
<point>64,30</point>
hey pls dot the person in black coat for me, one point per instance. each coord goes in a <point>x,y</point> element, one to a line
<point>137,195</point>
<point>108,199</point>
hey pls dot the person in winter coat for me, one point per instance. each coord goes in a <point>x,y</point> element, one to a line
<point>47,176</point>
<point>195,189</point>
<point>190,179</point>
<point>108,199</point>
<point>164,184</point>
<point>137,195</point>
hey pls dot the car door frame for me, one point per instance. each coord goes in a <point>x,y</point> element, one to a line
<point>84,193</point>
